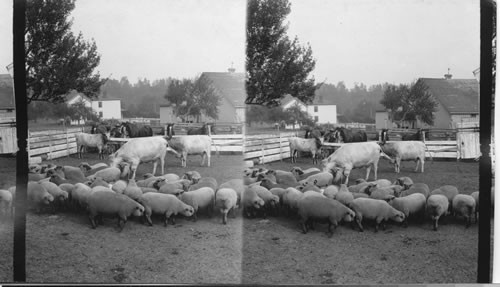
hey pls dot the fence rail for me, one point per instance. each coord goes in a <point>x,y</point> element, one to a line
<point>51,144</point>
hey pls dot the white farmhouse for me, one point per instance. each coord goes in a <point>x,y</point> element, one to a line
<point>322,110</point>
<point>104,108</point>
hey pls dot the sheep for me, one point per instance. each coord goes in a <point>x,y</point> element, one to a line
<point>98,181</point>
<point>360,187</point>
<point>358,195</point>
<point>322,179</point>
<point>80,195</point>
<point>193,176</point>
<point>192,144</point>
<point>6,203</point>
<point>176,188</point>
<point>279,192</point>
<point>377,210</point>
<point>464,205</point>
<point>139,150</point>
<point>60,196</point>
<point>102,202</point>
<point>382,194</point>
<point>110,174</point>
<point>449,191</point>
<point>308,187</point>
<point>237,185</point>
<point>284,177</point>
<point>404,181</point>
<point>119,186</point>
<point>354,155</point>
<point>101,188</point>
<point>271,201</point>
<point>149,189</point>
<point>268,183</point>
<point>330,191</point>
<point>166,204</point>
<point>417,188</point>
<point>405,150</point>
<point>475,195</point>
<point>322,209</point>
<point>312,145</point>
<point>57,179</point>
<point>38,195</point>
<point>303,174</point>
<point>202,198</point>
<point>91,140</point>
<point>68,187</point>
<point>225,200</point>
<point>205,182</point>
<point>132,190</point>
<point>409,205</point>
<point>344,196</point>
<point>437,206</point>
<point>36,176</point>
<point>251,202</point>
<point>170,177</point>
<point>88,169</point>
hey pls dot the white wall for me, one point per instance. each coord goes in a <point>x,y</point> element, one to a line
<point>327,114</point>
<point>110,109</point>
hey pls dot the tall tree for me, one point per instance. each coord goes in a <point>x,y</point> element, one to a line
<point>410,103</point>
<point>57,61</point>
<point>275,65</point>
<point>193,98</point>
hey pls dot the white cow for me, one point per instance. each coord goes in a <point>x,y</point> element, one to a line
<point>354,155</point>
<point>192,144</point>
<point>144,149</point>
<point>405,150</point>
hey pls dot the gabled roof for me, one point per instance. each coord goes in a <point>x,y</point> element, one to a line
<point>7,92</point>
<point>288,99</point>
<point>73,94</point>
<point>230,85</point>
<point>456,95</point>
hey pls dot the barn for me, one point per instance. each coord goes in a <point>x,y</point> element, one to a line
<point>458,103</point>
<point>230,87</point>
<point>8,135</point>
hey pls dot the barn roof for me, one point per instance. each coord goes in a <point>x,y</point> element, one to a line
<point>456,95</point>
<point>7,92</point>
<point>73,94</point>
<point>230,85</point>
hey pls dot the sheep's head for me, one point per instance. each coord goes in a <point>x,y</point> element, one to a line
<point>349,215</point>
<point>398,216</point>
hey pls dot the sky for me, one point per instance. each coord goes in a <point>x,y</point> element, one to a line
<point>355,41</point>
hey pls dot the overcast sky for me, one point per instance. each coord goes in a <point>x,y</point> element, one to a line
<point>395,41</point>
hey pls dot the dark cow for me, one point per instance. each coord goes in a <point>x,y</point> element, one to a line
<point>314,133</point>
<point>343,135</point>
<point>99,129</point>
<point>131,130</point>
<point>200,131</point>
<point>170,131</point>
<point>418,136</point>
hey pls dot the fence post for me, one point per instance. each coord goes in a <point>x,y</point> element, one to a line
<point>67,143</point>
<point>28,146</point>
<point>279,135</point>
<point>262,150</point>
<point>50,147</point>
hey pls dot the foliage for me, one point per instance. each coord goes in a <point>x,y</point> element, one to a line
<point>410,103</point>
<point>275,65</point>
<point>295,115</point>
<point>263,114</point>
<point>57,61</point>
<point>45,110</point>
<point>193,98</point>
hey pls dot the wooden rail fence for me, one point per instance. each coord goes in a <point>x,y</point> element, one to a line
<point>51,144</point>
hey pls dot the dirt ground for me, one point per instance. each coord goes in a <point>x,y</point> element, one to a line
<point>62,247</point>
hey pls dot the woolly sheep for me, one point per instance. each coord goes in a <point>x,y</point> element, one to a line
<point>166,204</point>
<point>102,202</point>
<point>330,191</point>
<point>409,205</point>
<point>344,196</point>
<point>202,198</point>
<point>301,174</point>
<point>88,169</point>
<point>132,190</point>
<point>322,209</point>
<point>170,177</point>
<point>321,179</point>
<point>360,187</point>
<point>284,177</point>
<point>251,202</point>
<point>6,203</point>
<point>417,188</point>
<point>80,195</point>
<point>437,206</point>
<point>60,196</point>
<point>237,185</point>
<point>377,210</point>
<point>404,181</point>
<point>225,200</point>
<point>464,205</point>
<point>73,174</point>
<point>98,181</point>
<point>205,182</point>
<point>148,189</point>
<point>308,187</point>
<point>271,201</point>
<point>192,176</point>
<point>110,174</point>
<point>119,186</point>
<point>475,195</point>
<point>38,195</point>
<point>449,191</point>
<point>58,180</point>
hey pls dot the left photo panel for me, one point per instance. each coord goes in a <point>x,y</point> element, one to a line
<point>136,117</point>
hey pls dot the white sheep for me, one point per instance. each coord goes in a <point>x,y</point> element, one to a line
<point>377,210</point>
<point>237,185</point>
<point>251,202</point>
<point>6,203</point>
<point>203,198</point>
<point>437,206</point>
<point>312,145</point>
<point>464,205</point>
<point>344,196</point>
<point>225,200</point>
<point>322,179</point>
<point>330,191</point>
<point>110,174</point>
<point>165,204</point>
<point>409,205</point>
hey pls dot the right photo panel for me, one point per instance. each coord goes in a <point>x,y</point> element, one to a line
<point>362,142</point>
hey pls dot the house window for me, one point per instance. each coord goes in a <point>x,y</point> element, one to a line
<point>316,118</point>
<point>315,109</point>
<point>100,104</point>
<point>100,114</point>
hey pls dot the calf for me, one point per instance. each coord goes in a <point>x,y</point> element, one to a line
<point>312,145</point>
<point>91,140</point>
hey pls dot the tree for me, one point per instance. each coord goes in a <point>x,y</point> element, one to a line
<point>409,103</point>
<point>295,114</point>
<point>193,98</point>
<point>275,65</point>
<point>56,60</point>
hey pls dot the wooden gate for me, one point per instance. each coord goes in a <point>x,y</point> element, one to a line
<point>468,143</point>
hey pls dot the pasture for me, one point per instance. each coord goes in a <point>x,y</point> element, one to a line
<point>62,247</point>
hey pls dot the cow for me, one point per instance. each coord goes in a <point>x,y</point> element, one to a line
<point>131,130</point>
<point>343,135</point>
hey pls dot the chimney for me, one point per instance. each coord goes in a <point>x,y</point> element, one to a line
<point>448,76</point>
<point>232,69</point>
